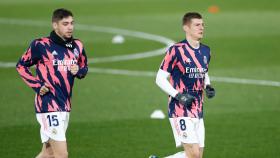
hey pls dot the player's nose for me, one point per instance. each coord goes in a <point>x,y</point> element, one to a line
<point>70,29</point>
<point>201,28</point>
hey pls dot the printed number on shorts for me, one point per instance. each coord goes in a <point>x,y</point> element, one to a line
<point>182,124</point>
<point>53,121</point>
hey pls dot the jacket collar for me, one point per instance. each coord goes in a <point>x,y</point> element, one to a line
<point>68,43</point>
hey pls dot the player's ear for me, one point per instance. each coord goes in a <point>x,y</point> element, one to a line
<point>54,25</point>
<point>185,27</point>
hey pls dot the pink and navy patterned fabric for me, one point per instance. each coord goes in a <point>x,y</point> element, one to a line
<point>187,67</point>
<point>52,65</point>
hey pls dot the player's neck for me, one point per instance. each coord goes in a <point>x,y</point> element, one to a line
<point>195,43</point>
<point>60,36</point>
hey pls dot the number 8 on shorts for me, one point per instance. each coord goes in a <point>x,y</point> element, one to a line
<point>188,130</point>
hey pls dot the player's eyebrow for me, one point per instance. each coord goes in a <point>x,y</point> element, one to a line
<point>67,22</point>
<point>199,24</point>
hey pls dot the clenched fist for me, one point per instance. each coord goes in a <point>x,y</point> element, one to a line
<point>74,69</point>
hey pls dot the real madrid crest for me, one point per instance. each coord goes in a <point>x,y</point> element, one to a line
<point>54,131</point>
<point>205,59</point>
<point>76,53</point>
<point>188,60</point>
<point>185,135</point>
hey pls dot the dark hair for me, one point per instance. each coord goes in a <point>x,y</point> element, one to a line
<point>189,16</point>
<point>61,13</point>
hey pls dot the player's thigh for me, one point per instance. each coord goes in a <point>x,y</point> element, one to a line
<point>59,148</point>
<point>201,152</point>
<point>192,150</point>
<point>46,151</point>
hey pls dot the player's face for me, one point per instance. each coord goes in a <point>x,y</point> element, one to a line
<point>194,29</point>
<point>65,27</point>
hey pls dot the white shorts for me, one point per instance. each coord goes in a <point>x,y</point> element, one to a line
<point>188,130</point>
<point>53,125</point>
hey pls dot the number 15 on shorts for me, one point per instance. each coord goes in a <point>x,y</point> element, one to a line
<point>53,120</point>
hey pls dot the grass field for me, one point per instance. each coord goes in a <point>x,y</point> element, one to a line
<point>110,116</point>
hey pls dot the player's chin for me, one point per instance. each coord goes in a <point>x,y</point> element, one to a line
<point>68,35</point>
<point>199,36</point>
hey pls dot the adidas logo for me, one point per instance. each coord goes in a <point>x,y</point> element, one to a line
<point>54,53</point>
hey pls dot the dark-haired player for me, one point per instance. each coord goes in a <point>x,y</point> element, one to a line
<point>58,60</point>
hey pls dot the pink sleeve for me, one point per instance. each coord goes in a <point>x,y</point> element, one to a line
<point>23,67</point>
<point>169,60</point>
<point>82,61</point>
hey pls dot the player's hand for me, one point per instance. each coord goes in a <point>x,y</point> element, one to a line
<point>74,69</point>
<point>185,99</point>
<point>210,91</point>
<point>44,89</point>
